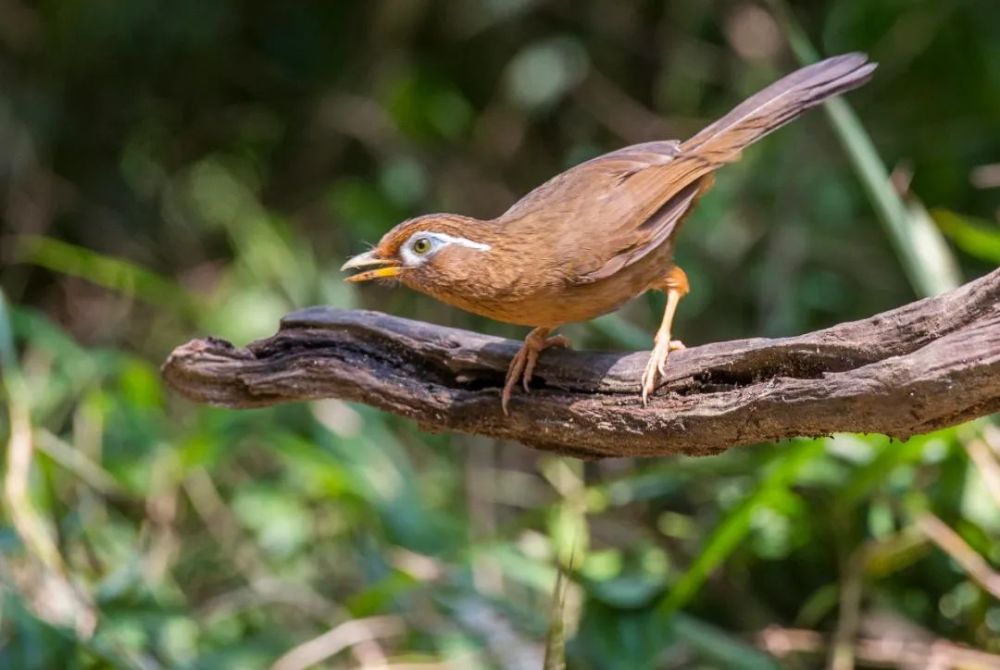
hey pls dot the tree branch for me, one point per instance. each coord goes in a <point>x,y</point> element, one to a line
<point>923,366</point>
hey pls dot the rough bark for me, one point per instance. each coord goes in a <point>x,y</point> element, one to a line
<point>923,366</point>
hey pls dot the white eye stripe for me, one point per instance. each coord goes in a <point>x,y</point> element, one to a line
<point>451,239</point>
<point>413,259</point>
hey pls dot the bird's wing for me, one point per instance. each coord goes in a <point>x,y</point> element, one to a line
<point>611,211</point>
<point>634,243</point>
<point>604,170</point>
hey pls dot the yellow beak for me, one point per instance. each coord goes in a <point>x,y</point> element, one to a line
<point>389,267</point>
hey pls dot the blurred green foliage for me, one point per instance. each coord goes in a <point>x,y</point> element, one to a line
<point>203,166</point>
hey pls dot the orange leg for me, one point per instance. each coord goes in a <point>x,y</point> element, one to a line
<point>675,285</point>
<point>523,364</point>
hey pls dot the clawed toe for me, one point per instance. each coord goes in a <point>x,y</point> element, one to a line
<point>558,341</point>
<point>529,370</point>
<point>522,366</point>
<point>656,368</point>
<point>514,372</point>
<point>650,377</point>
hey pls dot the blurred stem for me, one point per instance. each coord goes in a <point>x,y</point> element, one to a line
<point>977,440</point>
<point>347,634</point>
<point>570,537</point>
<point>926,259</point>
<point>78,463</point>
<point>53,596</point>
<point>842,649</point>
<point>20,453</point>
<point>555,638</point>
<point>7,358</point>
<point>950,542</point>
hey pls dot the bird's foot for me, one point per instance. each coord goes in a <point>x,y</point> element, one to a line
<point>656,367</point>
<point>522,366</point>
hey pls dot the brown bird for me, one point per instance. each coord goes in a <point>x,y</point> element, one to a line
<point>594,237</point>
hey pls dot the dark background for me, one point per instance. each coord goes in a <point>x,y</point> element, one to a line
<point>169,170</point>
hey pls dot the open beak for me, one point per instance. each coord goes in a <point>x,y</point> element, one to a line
<point>384,267</point>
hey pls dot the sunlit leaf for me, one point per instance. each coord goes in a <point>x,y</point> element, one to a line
<point>975,237</point>
<point>116,274</point>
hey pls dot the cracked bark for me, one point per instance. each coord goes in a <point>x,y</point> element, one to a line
<point>923,366</point>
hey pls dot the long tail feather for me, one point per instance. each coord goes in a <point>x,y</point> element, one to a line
<point>776,105</point>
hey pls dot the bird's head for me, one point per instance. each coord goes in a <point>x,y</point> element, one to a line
<point>428,251</point>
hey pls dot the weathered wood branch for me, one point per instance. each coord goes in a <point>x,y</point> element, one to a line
<point>923,366</point>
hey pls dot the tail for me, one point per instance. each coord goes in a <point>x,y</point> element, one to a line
<point>776,105</point>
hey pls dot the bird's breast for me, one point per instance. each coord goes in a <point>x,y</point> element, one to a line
<point>545,293</point>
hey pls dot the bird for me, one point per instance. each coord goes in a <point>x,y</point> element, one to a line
<point>592,238</point>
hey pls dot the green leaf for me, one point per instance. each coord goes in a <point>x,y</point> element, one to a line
<point>725,649</point>
<point>976,237</point>
<point>734,527</point>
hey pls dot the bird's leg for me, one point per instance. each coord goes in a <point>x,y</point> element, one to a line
<point>675,285</point>
<point>523,364</point>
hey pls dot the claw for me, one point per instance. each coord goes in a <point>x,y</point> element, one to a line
<point>522,366</point>
<point>656,367</point>
<point>513,373</point>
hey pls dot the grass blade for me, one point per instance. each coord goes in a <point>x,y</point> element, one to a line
<point>926,258</point>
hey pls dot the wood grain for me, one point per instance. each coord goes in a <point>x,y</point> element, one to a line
<point>923,366</point>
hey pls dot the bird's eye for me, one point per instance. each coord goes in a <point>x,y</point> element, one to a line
<point>421,245</point>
